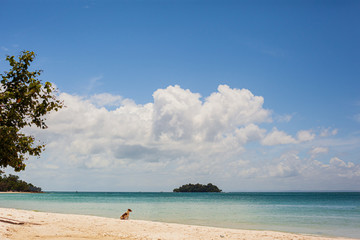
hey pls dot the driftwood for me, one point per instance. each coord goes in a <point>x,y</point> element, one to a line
<point>11,221</point>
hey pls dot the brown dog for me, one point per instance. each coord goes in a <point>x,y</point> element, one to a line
<point>126,215</point>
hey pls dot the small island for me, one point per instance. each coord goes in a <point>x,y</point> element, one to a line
<point>12,183</point>
<point>197,188</point>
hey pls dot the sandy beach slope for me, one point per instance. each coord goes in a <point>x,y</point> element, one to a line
<point>30,225</point>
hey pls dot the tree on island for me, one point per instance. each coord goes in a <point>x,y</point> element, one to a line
<point>197,188</point>
<point>24,101</point>
<point>13,183</point>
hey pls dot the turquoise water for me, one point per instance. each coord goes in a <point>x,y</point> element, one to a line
<point>330,214</point>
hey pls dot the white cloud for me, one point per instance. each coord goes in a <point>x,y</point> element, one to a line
<point>337,162</point>
<point>340,168</point>
<point>249,133</point>
<point>288,165</point>
<point>180,115</point>
<point>176,113</point>
<point>106,99</point>
<point>291,165</point>
<point>305,136</point>
<point>177,124</point>
<point>179,135</point>
<point>276,137</point>
<point>319,150</point>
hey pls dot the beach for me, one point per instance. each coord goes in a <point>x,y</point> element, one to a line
<point>313,214</point>
<point>23,224</point>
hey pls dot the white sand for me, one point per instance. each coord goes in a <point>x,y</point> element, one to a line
<point>30,225</point>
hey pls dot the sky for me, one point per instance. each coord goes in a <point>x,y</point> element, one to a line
<point>247,95</point>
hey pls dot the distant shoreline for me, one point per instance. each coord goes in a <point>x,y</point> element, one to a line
<point>18,192</point>
<point>223,192</point>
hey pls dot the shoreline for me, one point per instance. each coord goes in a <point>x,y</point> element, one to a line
<point>32,225</point>
<point>17,192</point>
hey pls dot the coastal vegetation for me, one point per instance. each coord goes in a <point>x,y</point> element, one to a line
<point>12,183</point>
<point>24,101</point>
<point>197,188</point>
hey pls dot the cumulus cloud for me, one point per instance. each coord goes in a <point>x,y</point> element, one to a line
<point>337,162</point>
<point>305,136</point>
<point>340,168</point>
<point>291,165</point>
<point>176,113</point>
<point>178,133</point>
<point>288,165</point>
<point>106,100</point>
<point>276,137</point>
<point>180,115</point>
<point>319,150</point>
<point>177,124</point>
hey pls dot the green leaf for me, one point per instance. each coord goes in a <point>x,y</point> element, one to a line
<point>23,102</point>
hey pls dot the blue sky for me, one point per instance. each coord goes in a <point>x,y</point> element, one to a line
<point>298,60</point>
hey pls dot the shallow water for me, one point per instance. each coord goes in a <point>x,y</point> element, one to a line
<point>330,214</point>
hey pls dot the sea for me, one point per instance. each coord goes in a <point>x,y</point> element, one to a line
<point>333,214</point>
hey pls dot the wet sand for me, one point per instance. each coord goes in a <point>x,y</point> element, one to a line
<point>31,225</point>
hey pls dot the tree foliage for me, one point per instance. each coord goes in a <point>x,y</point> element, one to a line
<point>13,183</point>
<point>197,188</point>
<point>24,101</point>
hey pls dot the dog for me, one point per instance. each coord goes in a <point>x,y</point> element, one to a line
<point>126,215</point>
